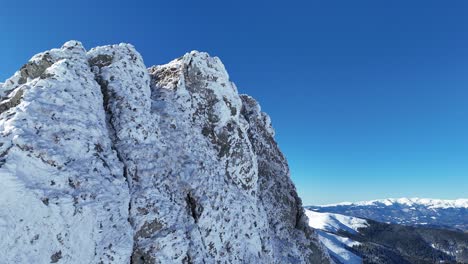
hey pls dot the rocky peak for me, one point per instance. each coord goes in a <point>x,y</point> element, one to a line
<point>105,161</point>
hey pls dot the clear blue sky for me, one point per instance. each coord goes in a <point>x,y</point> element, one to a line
<point>369,98</point>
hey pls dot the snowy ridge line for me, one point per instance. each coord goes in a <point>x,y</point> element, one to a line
<point>430,203</point>
<point>335,222</point>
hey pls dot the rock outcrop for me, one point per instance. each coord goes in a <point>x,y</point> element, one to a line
<point>105,161</point>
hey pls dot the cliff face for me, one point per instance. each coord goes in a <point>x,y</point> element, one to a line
<point>105,161</point>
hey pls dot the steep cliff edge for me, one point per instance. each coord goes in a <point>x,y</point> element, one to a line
<point>105,161</point>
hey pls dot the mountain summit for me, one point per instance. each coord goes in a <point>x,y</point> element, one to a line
<point>105,161</point>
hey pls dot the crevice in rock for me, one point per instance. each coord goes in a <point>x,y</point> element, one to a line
<point>137,257</point>
<point>103,84</point>
<point>195,209</point>
<point>3,155</point>
<point>298,223</point>
<point>187,260</point>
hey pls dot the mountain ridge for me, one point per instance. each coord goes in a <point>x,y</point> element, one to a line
<point>352,240</point>
<point>433,203</point>
<point>437,213</point>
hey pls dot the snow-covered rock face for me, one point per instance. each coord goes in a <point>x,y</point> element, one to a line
<point>63,196</point>
<point>277,193</point>
<point>105,161</point>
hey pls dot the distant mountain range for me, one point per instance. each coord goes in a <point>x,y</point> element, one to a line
<point>448,214</point>
<point>393,231</point>
<point>352,240</point>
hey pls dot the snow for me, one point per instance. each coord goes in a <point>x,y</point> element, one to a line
<point>329,225</point>
<point>430,203</point>
<point>335,222</point>
<point>406,211</point>
<point>440,248</point>
<point>336,245</point>
<point>61,197</point>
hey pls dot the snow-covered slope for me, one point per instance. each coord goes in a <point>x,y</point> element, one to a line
<point>335,222</point>
<point>329,228</point>
<point>105,161</point>
<point>339,248</point>
<point>406,211</point>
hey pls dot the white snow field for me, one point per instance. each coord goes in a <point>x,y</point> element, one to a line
<point>329,225</point>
